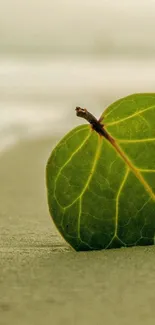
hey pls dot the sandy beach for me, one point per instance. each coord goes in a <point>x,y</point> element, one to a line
<point>42,280</point>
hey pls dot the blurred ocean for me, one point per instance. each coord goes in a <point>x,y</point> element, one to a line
<point>55,55</point>
<point>39,96</point>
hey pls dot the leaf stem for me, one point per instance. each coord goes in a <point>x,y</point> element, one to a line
<point>96,124</point>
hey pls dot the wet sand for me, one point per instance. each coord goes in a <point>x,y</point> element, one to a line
<point>42,280</point>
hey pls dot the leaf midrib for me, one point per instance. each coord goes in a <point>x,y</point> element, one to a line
<point>123,156</point>
<point>135,170</point>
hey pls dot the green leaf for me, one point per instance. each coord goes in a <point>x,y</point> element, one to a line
<point>102,194</point>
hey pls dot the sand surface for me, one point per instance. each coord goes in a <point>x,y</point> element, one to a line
<point>42,280</point>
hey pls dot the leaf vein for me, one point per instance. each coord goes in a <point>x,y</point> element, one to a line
<point>70,158</point>
<point>131,116</point>
<point>135,140</point>
<point>117,199</point>
<point>96,158</point>
<point>146,170</point>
